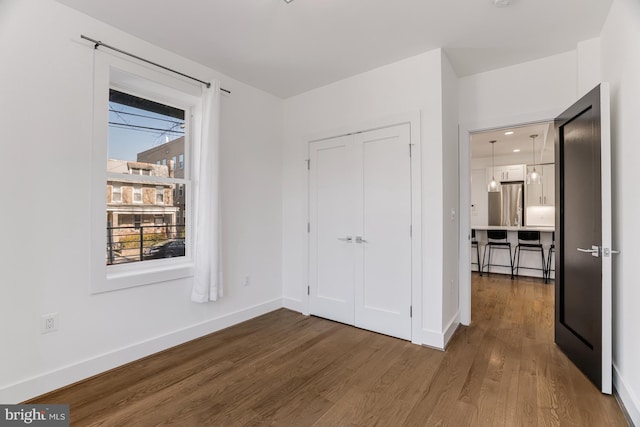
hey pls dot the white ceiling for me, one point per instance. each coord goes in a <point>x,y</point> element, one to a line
<point>287,49</point>
<point>519,140</point>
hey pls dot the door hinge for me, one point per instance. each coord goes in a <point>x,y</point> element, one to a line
<point>308,227</point>
<point>410,311</point>
<point>308,164</point>
<point>308,290</point>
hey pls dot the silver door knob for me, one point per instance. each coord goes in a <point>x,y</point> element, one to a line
<point>359,239</point>
<point>347,239</point>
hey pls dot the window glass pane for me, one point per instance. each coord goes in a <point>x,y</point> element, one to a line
<point>143,134</point>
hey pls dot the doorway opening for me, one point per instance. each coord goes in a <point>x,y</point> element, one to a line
<point>519,204</point>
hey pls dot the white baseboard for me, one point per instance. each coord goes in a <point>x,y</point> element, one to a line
<point>627,397</point>
<point>433,339</point>
<point>292,304</point>
<point>451,328</point>
<point>52,380</point>
<point>439,340</point>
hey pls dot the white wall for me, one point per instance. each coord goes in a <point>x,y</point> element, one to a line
<point>524,93</point>
<point>507,96</point>
<point>451,198</point>
<point>408,86</point>
<point>45,116</point>
<point>621,68</point>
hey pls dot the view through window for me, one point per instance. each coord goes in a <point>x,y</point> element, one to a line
<point>146,214</point>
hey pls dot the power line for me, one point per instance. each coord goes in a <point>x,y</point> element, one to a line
<point>142,115</point>
<point>145,127</point>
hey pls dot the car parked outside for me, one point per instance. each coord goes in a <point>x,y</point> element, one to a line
<point>168,249</point>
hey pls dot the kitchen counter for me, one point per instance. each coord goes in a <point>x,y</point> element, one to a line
<point>514,228</point>
<point>527,259</point>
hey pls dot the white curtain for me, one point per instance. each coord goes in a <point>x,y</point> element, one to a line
<point>207,283</point>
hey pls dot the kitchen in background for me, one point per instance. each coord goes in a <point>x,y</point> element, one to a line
<point>519,203</point>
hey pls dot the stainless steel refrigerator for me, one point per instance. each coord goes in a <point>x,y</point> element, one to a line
<point>507,206</point>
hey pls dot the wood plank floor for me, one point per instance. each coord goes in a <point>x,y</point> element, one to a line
<point>284,369</point>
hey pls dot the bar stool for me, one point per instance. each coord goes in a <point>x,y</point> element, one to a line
<point>474,243</point>
<point>552,249</point>
<point>529,241</point>
<point>497,239</point>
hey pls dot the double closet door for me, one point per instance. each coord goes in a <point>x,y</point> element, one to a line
<point>360,230</point>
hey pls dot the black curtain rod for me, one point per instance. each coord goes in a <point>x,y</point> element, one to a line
<point>98,43</point>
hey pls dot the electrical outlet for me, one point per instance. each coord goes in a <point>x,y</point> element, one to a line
<point>49,323</point>
<point>247,280</point>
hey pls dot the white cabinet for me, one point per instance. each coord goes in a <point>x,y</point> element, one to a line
<point>542,194</point>
<point>549,185</point>
<point>513,173</point>
<point>506,173</point>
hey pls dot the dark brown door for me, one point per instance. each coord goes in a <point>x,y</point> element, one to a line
<point>583,274</point>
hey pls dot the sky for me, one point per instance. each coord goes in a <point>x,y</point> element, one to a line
<point>126,141</point>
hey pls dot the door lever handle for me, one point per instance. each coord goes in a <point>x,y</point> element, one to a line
<point>594,251</point>
<point>359,239</point>
<point>347,239</point>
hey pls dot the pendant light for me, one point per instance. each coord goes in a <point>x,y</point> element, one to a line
<point>494,186</point>
<point>533,177</point>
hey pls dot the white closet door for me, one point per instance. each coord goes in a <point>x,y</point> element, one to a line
<point>360,241</point>
<point>331,205</point>
<point>383,258</point>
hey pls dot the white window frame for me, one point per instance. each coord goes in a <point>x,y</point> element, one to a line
<point>137,190</point>
<point>114,71</point>
<point>113,191</point>
<point>160,195</point>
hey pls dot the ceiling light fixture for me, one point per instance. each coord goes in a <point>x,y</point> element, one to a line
<point>288,1</point>
<point>510,132</point>
<point>501,3</point>
<point>516,150</point>
<point>494,186</point>
<point>534,177</point>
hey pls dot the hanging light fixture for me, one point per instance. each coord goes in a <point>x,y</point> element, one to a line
<point>534,177</point>
<point>494,186</point>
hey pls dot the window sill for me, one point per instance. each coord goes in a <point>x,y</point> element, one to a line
<point>132,275</point>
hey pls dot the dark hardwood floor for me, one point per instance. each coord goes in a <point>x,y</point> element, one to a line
<point>284,369</point>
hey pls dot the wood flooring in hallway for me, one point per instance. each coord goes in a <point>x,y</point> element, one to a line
<point>285,369</point>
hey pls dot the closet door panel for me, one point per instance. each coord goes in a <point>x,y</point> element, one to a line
<point>332,212</point>
<point>383,258</point>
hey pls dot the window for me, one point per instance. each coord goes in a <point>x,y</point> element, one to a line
<point>160,195</point>
<point>137,194</point>
<point>116,193</point>
<point>181,161</point>
<point>135,98</point>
